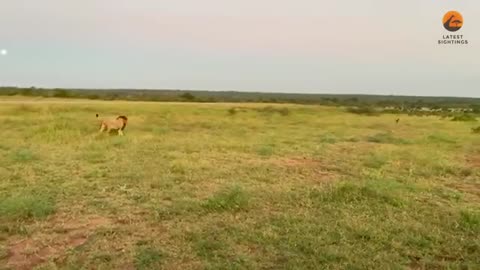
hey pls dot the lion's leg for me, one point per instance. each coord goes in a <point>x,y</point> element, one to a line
<point>120,132</point>
<point>102,128</point>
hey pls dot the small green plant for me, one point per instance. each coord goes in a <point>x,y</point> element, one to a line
<point>476,130</point>
<point>232,199</point>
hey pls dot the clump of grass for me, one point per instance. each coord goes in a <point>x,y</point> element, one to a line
<point>386,138</point>
<point>271,110</point>
<point>213,247</point>
<point>177,208</point>
<point>148,257</point>
<point>465,118</point>
<point>363,111</point>
<point>470,220</point>
<point>375,161</point>
<point>439,138</point>
<point>328,138</point>
<point>232,111</point>
<point>265,150</point>
<point>23,155</point>
<point>476,130</point>
<point>232,199</point>
<point>26,206</point>
<point>209,246</point>
<point>350,193</point>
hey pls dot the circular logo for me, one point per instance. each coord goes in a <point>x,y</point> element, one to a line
<point>453,21</point>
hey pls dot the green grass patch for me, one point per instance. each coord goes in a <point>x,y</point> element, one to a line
<point>373,193</point>
<point>148,257</point>
<point>23,155</point>
<point>441,139</point>
<point>470,220</point>
<point>26,206</point>
<point>375,161</point>
<point>464,118</point>
<point>231,199</point>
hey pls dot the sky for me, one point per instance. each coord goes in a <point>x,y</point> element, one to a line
<point>296,46</point>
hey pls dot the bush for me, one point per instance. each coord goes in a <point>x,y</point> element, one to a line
<point>61,93</point>
<point>232,111</point>
<point>187,97</point>
<point>464,118</point>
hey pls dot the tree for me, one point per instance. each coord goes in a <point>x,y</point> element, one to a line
<point>187,96</point>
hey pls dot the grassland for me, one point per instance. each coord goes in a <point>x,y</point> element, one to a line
<point>235,186</point>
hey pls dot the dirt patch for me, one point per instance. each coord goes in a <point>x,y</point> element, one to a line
<point>474,160</point>
<point>64,234</point>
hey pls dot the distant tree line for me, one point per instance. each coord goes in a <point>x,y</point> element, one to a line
<point>368,104</point>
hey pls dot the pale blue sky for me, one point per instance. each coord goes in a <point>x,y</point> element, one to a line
<point>307,46</point>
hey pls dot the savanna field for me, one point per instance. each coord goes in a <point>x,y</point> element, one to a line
<point>235,186</point>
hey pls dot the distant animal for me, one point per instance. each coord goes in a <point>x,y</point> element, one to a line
<point>398,120</point>
<point>118,124</point>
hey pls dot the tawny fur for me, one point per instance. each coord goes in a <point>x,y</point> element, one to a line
<point>118,124</point>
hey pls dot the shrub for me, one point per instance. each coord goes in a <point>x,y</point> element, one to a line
<point>464,118</point>
<point>232,111</point>
<point>187,97</point>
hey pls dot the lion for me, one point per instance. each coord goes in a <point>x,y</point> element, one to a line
<point>117,124</point>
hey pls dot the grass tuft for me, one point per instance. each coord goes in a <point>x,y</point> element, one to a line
<point>26,206</point>
<point>23,155</point>
<point>231,199</point>
<point>148,257</point>
<point>470,220</point>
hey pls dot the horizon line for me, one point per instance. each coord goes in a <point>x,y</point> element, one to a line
<point>232,91</point>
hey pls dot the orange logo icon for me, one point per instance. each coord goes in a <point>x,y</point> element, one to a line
<point>452,21</point>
